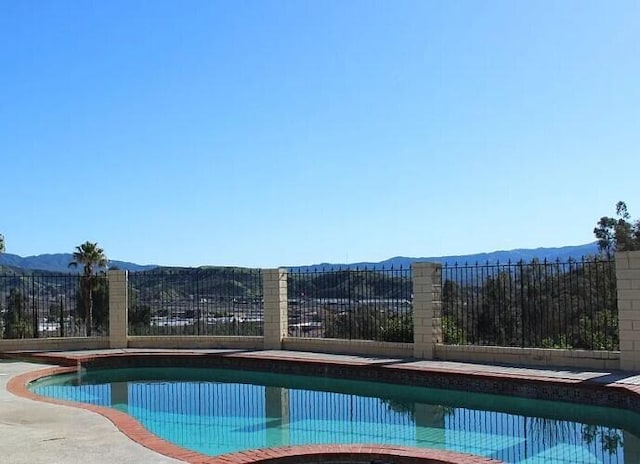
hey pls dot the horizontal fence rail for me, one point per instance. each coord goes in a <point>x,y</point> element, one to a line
<point>42,305</point>
<point>215,301</point>
<point>359,304</point>
<point>539,304</point>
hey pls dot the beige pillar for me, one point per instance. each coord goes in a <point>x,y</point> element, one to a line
<point>274,288</point>
<point>628,285</point>
<point>118,307</point>
<point>427,322</point>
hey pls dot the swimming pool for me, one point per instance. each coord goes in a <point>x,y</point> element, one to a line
<point>215,411</point>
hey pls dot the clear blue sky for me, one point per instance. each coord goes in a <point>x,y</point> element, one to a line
<point>267,133</point>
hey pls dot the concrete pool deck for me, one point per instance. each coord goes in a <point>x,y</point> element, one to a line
<point>34,432</point>
<point>40,432</point>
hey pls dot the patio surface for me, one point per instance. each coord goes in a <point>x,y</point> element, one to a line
<point>37,432</point>
<point>33,432</point>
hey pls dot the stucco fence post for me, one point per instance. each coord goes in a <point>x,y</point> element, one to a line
<point>118,309</point>
<point>427,309</point>
<point>628,288</point>
<point>274,288</point>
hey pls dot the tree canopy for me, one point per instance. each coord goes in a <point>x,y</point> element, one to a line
<point>1,243</point>
<point>618,234</point>
<point>89,255</point>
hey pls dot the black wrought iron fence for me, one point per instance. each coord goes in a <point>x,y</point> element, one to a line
<point>540,304</point>
<point>351,304</point>
<point>37,305</point>
<point>196,301</point>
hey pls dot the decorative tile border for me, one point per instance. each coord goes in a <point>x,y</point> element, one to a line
<point>614,395</point>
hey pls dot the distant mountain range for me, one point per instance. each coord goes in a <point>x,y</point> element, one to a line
<point>59,262</point>
<point>526,255</point>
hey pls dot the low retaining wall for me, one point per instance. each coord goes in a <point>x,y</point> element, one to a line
<point>338,346</point>
<point>195,342</point>
<point>54,344</point>
<point>599,360</point>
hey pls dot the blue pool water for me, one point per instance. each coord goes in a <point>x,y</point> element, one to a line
<point>216,411</point>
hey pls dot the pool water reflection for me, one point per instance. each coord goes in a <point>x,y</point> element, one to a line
<point>215,411</point>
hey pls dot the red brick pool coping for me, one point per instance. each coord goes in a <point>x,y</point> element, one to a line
<point>355,453</point>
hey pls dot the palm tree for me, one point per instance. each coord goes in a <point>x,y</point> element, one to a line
<point>89,255</point>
